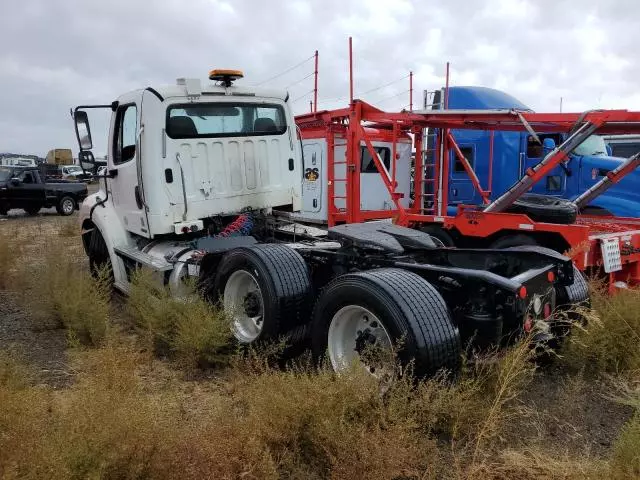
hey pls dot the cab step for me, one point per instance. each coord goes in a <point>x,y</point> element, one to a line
<point>144,259</point>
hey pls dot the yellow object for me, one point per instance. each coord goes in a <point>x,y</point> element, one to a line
<point>221,74</point>
<point>60,156</point>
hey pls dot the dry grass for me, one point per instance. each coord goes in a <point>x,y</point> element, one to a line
<point>610,343</point>
<point>68,227</point>
<point>189,328</point>
<point>128,415</point>
<point>58,288</point>
<point>127,418</point>
<point>10,251</point>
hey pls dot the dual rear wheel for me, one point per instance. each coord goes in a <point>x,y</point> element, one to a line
<point>372,318</point>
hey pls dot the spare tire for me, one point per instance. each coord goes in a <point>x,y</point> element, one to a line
<point>545,208</point>
<point>378,308</point>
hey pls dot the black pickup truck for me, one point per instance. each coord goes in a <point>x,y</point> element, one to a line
<point>28,189</point>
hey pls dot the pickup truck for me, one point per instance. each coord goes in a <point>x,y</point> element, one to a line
<point>27,188</point>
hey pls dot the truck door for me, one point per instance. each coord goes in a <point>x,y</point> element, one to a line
<point>312,181</point>
<point>124,163</point>
<point>460,187</point>
<point>531,153</point>
<point>28,193</point>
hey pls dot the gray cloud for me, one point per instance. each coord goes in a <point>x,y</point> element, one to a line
<point>67,52</point>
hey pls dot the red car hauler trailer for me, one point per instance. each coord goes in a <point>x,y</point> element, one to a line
<point>597,244</point>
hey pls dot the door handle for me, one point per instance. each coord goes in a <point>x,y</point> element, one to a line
<point>136,193</point>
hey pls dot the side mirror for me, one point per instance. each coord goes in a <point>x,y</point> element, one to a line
<point>609,150</point>
<point>15,182</point>
<point>83,132</point>
<point>86,156</point>
<point>548,144</point>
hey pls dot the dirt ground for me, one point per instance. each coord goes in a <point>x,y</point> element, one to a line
<point>589,425</point>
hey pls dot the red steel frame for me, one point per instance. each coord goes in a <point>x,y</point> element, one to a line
<point>582,237</point>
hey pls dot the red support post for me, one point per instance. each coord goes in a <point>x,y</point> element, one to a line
<point>394,153</point>
<point>350,70</point>
<point>315,85</point>
<point>411,91</point>
<point>353,163</point>
<point>444,193</point>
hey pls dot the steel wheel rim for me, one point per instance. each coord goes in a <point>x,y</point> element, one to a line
<point>67,206</point>
<point>346,331</point>
<point>240,290</point>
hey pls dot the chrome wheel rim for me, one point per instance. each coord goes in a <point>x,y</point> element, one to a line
<point>243,302</point>
<point>353,330</point>
<point>67,207</point>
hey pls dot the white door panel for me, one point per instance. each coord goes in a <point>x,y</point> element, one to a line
<point>124,157</point>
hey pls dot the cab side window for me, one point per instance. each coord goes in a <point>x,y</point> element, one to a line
<point>124,148</point>
<point>27,177</point>
<point>469,153</point>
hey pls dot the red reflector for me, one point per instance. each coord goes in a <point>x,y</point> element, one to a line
<point>522,293</point>
<point>547,310</point>
<point>185,229</point>
<point>528,324</point>
<point>551,276</point>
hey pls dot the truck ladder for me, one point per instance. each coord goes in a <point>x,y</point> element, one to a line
<point>425,201</point>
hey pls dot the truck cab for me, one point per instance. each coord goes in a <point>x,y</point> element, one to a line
<point>500,161</point>
<point>181,156</point>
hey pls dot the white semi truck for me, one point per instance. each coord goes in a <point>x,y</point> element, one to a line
<point>209,182</point>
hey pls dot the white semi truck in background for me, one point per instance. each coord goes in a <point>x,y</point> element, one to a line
<point>209,182</point>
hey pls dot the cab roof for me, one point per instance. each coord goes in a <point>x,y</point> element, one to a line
<point>212,90</point>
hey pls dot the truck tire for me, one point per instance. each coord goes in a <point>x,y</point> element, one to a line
<point>98,254</point>
<point>266,289</point>
<point>578,292</point>
<point>510,241</point>
<point>381,308</point>
<point>4,209</point>
<point>32,210</point>
<point>545,208</point>
<point>66,206</point>
<point>439,235</point>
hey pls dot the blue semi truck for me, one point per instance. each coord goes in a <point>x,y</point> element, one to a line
<point>514,152</point>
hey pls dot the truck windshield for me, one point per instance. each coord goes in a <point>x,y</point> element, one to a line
<point>594,145</point>
<point>226,119</point>
<point>5,174</point>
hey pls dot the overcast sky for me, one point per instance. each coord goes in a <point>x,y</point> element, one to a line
<point>57,54</point>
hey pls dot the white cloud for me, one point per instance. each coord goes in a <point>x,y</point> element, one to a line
<point>65,53</point>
